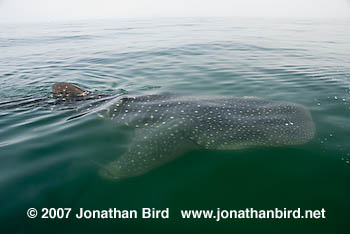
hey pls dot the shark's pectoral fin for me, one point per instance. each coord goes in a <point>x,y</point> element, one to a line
<point>150,148</point>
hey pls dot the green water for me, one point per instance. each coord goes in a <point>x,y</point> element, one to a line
<point>47,161</point>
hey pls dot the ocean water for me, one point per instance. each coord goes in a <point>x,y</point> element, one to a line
<point>47,159</point>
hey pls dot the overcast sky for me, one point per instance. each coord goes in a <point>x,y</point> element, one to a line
<point>46,10</point>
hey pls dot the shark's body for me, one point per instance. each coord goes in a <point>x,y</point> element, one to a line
<point>168,126</point>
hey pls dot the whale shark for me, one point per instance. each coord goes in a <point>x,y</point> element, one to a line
<point>166,127</point>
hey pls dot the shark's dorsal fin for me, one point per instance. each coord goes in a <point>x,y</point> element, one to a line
<point>64,89</point>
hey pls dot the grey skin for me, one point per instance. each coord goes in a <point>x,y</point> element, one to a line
<point>166,127</point>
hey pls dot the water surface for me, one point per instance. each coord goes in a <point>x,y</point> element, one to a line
<point>46,161</point>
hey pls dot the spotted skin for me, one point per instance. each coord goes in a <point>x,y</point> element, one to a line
<point>64,89</point>
<point>168,127</point>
